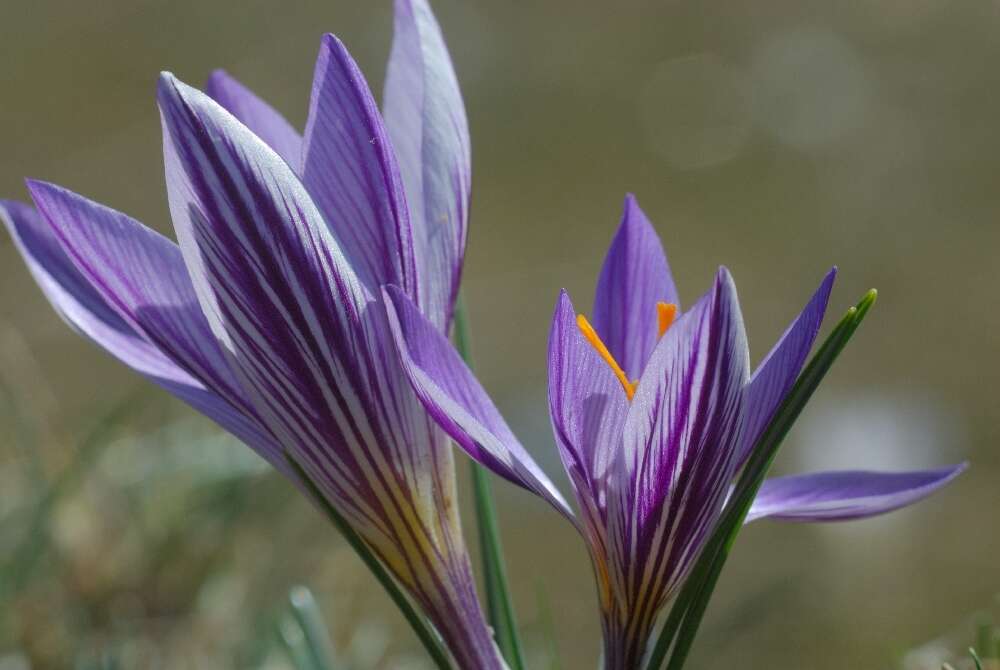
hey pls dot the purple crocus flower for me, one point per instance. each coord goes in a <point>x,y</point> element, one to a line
<point>265,315</point>
<point>654,415</point>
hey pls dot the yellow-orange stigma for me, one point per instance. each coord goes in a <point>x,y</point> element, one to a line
<point>666,313</point>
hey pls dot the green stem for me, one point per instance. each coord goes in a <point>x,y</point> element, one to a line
<point>686,614</point>
<point>425,632</point>
<point>498,601</point>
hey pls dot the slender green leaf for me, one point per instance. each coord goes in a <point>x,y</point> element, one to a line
<point>424,630</point>
<point>310,619</point>
<point>293,639</point>
<point>498,601</point>
<point>975,659</point>
<point>685,616</point>
<point>984,636</point>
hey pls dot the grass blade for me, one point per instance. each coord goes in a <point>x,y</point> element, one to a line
<point>685,616</point>
<point>500,608</point>
<point>293,639</point>
<point>310,619</point>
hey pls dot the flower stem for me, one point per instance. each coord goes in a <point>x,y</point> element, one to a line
<point>498,601</point>
<point>686,614</point>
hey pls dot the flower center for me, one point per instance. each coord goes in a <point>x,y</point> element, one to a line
<point>666,313</point>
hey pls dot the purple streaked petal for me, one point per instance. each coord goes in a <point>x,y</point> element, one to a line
<point>313,349</point>
<point>635,276</point>
<point>85,310</point>
<point>588,407</point>
<point>842,496</point>
<point>265,121</point>
<point>776,374</point>
<point>350,171</point>
<point>677,460</point>
<point>454,398</point>
<point>684,417</point>
<point>275,290</point>
<point>426,120</point>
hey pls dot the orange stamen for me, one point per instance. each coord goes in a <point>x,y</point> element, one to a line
<point>595,340</point>
<point>667,312</point>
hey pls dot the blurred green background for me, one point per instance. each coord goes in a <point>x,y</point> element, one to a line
<point>778,138</point>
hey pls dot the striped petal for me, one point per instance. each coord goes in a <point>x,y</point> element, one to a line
<point>265,121</point>
<point>676,464</point>
<point>588,408</point>
<point>426,120</point>
<point>842,496</point>
<point>776,374</point>
<point>87,308</point>
<point>313,350</point>
<point>350,171</point>
<point>635,276</point>
<point>454,398</point>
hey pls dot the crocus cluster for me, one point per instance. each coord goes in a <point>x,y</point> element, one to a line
<point>306,307</point>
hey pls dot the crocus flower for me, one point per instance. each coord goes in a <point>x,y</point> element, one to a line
<point>266,314</point>
<point>654,413</point>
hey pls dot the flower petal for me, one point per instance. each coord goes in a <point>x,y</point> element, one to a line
<point>841,496</point>
<point>776,374</point>
<point>350,171</point>
<point>684,416</point>
<point>635,276</point>
<point>588,407</point>
<point>83,307</point>
<point>314,352</point>
<point>426,120</point>
<point>676,463</point>
<point>265,121</point>
<point>275,290</point>
<point>454,398</point>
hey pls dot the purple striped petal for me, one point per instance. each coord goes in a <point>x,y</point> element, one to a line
<point>275,289</point>
<point>350,171</point>
<point>842,496</point>
<point>426,120</point>
<point>635,276</point>
<point>454,398</point>
<point>265,121</point>
<point>588,407</point>
<point>677,462</point>
<point>314,351</point>
<point>776,374</point>
<point>80,304</point>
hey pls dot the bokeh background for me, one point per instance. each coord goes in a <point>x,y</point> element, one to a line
<point>779,138</point>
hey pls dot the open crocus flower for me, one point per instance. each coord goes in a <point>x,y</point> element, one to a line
<point>266,315</point>
<point>654,412</point>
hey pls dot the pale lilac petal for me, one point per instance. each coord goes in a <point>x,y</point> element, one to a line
<point>678,458</point>
<point>314,351</point>
<point>776,374</point>
<point>426,120</point>
<point>265,121</point>
<point>588,407</point>
<point>350,171</point>
<point>842,496</point>
<point>635,276</point>
<point>275,290</point>
<point>454,398</point>
<point>83,308</point>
